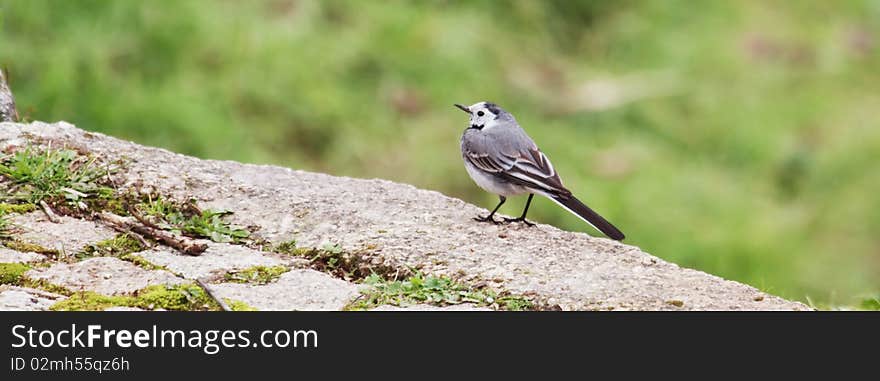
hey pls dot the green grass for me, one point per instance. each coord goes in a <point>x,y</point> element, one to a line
<point>438,291</point>
<point>742,142</point>
<point>33,175</point>
<point>188,219</point>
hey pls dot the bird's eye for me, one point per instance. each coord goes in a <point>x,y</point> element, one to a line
<point>480,113</point>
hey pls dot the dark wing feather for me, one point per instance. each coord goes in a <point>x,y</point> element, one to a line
<point>527,167</point>
<point>532,169</point>
<point>486,163</point>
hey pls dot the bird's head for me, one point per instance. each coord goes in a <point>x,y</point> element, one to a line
<point>484,114</point>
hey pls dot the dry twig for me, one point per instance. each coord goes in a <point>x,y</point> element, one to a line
<point>138,238</point>
<point>211,294</point>
<point>49,212</point>
<point>183,244</point>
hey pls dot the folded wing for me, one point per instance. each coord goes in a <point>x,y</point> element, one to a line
<point>529,168</point>
<point>532,169</point>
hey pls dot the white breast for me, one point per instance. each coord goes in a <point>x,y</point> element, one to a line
<point>490,184</point>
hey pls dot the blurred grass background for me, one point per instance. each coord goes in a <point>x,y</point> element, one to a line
<point>736,137</point>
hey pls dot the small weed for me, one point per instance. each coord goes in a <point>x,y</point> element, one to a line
<point>12,273</point>
<point>256,274</point>
<point>160,208</point>
<point>237,305</point>
<point>186,297</point>
<point>332,248</point>
<point>191,221</point>
<point>439,291</point>
<point>288,247</point>
<point>56,174</point>
<point>210,225</point>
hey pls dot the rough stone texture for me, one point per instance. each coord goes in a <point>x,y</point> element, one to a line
<point>298,289</point>
<point>26,299</point>
<point>218,259</point>
<point>418,228</point>
<point>12,256</point>
<point>8,113</point>
<point>428,307</point>
<point>69,236</point>
<point>104,275</point>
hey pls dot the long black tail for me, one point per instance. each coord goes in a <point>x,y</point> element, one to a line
<point>578,208</point>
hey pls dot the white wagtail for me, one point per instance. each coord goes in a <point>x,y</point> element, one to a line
<point>502,159</point>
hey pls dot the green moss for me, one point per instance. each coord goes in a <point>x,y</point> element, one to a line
<point>109,201</point>
<point>12,273</point>
<point>256,274</point>
<point>185,297</point>
<point>117,246</point>
<point>89,301</point>
<point>237,305</point>
<point>307,252</point>
<point>16,208</point>
<point>45,286</point>
<point>182,297</point>
<point>141,262</point>
<point>29,247</point>
<point>123,247</point>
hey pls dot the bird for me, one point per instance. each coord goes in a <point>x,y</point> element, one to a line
<point>502,159</point>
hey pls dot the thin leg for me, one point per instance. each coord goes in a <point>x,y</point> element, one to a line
<point>489,217</point>
<point>522,218</point>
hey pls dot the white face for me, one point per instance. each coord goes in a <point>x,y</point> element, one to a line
<point>481,116</point>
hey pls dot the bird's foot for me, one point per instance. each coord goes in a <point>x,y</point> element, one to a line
<point>486,219</point>
<point>519,219</point>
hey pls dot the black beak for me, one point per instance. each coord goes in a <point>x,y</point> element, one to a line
<point>463,108</point>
